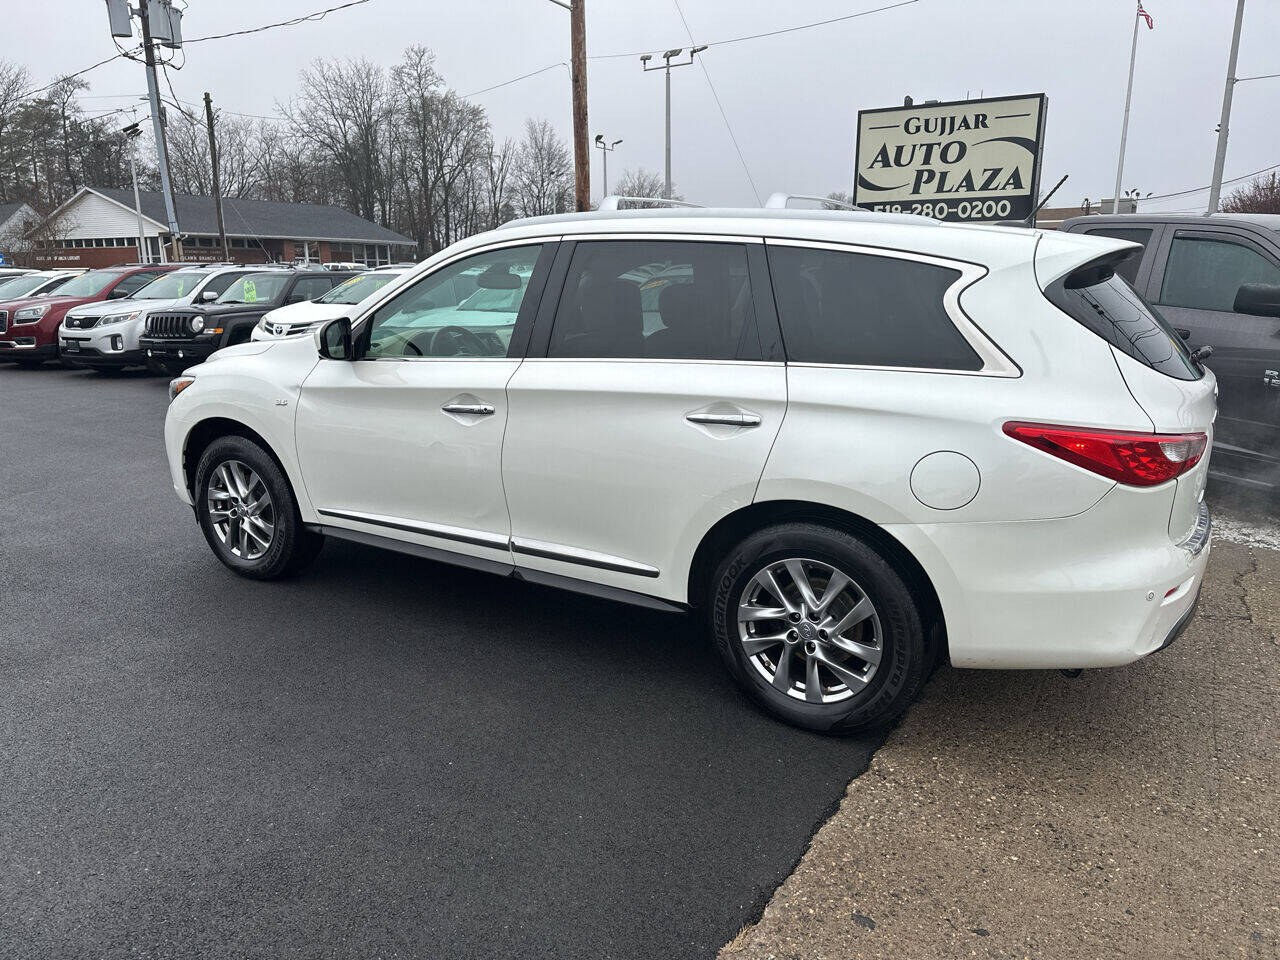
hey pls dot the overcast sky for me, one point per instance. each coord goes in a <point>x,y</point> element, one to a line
<point>792,99</point>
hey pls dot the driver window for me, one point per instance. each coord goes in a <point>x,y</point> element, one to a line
<point>467,309</point>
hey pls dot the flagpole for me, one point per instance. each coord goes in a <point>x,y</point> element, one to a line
<point>1124,130</point>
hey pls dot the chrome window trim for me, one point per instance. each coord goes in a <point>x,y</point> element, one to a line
<point>731,363</point>
<point>995,362</point>
<point>689,236</point>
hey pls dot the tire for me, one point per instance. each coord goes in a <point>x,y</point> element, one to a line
<point>234,472</point>
<point>883,654</point>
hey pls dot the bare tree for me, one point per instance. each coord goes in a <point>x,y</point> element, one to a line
<point>641,183</point>
<point>14,81</point>
<point>497,182</point>
<point>343,114</point>
<point>543,172</point>
<point>1258,196</point>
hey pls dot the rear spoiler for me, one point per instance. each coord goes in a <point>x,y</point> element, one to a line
<point>1085,260</point>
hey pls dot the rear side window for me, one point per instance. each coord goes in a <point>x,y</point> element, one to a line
<point>1127,268</point>
<point>865,310</point>
<point>220,283</point>
<point>1100,300</point>
<point>656,299</point>
<point>1204,274</point>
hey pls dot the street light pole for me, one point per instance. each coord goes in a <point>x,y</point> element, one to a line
<point>132,132</point>
<point>1220,157</point>
<point>157,125</point>
<point>1124,129</point>
<point>605,149</point>
<point>666,67</point>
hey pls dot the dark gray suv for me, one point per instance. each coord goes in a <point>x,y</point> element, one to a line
<point>1216,279</point>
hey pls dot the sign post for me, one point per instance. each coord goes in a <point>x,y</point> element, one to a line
<point>966,160</point>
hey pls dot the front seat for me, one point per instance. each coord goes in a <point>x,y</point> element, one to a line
<point>686,334</point>
<point>611,324</point>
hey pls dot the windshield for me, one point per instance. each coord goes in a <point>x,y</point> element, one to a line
<point>170,286</point>
<point>89,284</point>
<point>255,288</point>
<point>16,287</point>
<point>357,288</point>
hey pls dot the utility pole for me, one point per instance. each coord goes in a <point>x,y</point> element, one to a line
<point>157,125</point>
<point>217,187</point>
<point>1124,129</point>
<point>1220,157</point>
<point>132,132</point>
<point>605,149</point>
<point>578,70</point>
<point>666,66</point>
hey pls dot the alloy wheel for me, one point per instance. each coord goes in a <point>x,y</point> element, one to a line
<point>241,510</point>
<point>810,630</point>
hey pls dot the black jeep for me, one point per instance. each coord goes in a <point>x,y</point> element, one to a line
<point>184,336</point>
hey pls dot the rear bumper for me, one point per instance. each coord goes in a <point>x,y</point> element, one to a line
<point>1100,589</point>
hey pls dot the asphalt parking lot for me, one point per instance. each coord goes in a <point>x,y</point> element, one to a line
<point>391,758</point>
<point>386,757</point>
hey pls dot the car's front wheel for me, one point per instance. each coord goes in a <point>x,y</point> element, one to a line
<point>248,512</point>
<point>819,628</point>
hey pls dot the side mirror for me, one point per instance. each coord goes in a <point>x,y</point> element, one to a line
<point>208,296</point>
<point>1258,299</point>
<point>117,294</point>
<point>333,339</point>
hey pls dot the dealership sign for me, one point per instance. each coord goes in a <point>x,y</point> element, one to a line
<point>973,160</point>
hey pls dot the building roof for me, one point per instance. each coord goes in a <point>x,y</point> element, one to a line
<point>258,218</point>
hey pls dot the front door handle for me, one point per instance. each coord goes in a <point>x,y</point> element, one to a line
<point>726,419</point>
<point>1271,378</point>
<point>475,409</point>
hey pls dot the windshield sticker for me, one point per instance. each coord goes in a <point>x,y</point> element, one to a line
<point>250,292</point>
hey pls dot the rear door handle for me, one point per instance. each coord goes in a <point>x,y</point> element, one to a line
<point>475,409</point>
<point>726,419</point>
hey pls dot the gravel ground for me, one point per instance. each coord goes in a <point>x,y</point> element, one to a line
<point>1127,813</point>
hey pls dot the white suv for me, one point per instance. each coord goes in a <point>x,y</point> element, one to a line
<point>105,335</point>
<point>295,319</point>
<point>856,443</point>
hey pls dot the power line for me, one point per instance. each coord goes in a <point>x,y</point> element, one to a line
<point>318,15</point>
<point>1183,193</point>
<point>772,33</point>
<point>526,76</point>
<point>724,116</point>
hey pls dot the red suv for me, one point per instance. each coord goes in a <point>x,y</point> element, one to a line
<point>29,327</point>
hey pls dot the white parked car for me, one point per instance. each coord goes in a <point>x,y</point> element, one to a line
<point>294,319</point>
<point>105,335</point>
<point>855,443</point>
<point>37,283</point>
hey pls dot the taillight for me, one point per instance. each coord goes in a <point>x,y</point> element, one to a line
<point>1134,459</point>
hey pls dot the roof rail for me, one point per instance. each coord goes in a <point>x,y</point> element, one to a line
<point>611,202</point>
<point>780,201</point>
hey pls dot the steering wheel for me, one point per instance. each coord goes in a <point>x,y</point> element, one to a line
<point>457,342</point>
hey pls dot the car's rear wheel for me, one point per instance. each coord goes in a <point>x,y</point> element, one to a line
<point>819,628</point>
<point>248,512</point>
